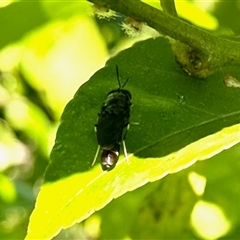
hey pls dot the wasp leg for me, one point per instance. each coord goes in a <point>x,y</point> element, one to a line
<point>126,131</point>
<point>98,149</point>
<point>125,150</point>
<point>96,155</point>
<point>124,144</point>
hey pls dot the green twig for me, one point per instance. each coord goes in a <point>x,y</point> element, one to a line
<point>199,52</point>
<point>168,7</point>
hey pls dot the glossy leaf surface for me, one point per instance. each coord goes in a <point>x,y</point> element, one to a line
<point>171,111</point>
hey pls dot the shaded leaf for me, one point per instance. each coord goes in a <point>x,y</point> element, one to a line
<point>18,22</point>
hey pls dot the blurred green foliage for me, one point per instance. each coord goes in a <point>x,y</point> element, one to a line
<point>47,50</point>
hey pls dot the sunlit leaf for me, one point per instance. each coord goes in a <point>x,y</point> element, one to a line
<point>176,120</point>
<point>64,9</point>
<point>69,52</point>
<point>7,189</point>
<point>192,12</point>
<point>26,116</point>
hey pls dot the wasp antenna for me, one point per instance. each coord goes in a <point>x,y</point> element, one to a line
<point>125,151</point>
<point>96,155</point>
<point>125,83</point>
<point>119,84</point>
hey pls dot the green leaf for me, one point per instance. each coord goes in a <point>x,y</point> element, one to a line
<point>171,112</point>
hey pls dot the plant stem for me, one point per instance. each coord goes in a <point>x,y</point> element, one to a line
<point>215,51</point>
<point>168,7</point>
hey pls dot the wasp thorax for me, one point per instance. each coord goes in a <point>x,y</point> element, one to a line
<point>109,159</point>
<point>119,92</point>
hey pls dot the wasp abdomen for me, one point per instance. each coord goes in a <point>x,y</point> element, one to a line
<point>109,158</point>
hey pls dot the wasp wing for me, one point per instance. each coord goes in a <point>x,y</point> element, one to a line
<point>110,129</point>
<point>113,118</point>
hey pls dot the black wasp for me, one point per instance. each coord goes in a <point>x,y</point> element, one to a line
<point>112,125</point>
